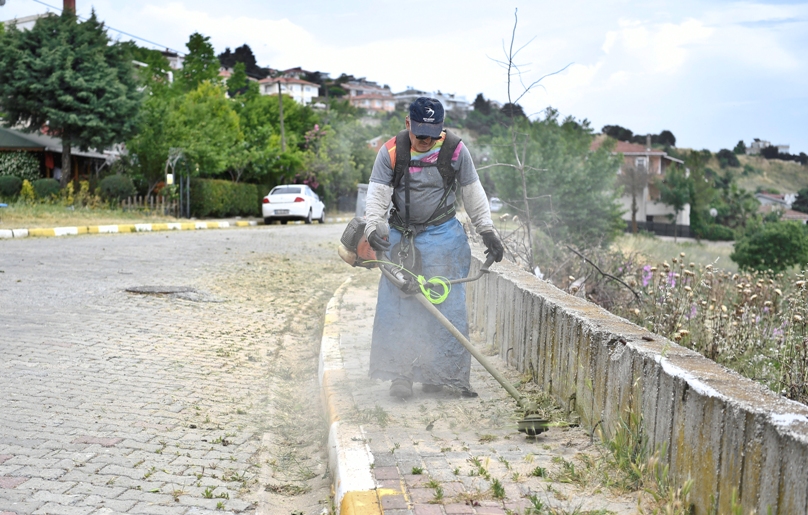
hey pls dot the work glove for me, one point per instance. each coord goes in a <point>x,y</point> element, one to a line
<point>493,245</point>
<point>377,242</point>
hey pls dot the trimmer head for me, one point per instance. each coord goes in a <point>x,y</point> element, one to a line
<point>533,425</point>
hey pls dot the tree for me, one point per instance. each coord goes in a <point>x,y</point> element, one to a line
<point>727,158</point>
<point>775,245</point>
<point>666,138</point>
<point>157,132</point>
<point>481,105</point>
<point>617,132</point>
<point>702,193</point>
<point>68,76</point>
<point>513,110</point>
<point>770,152</point>
<point>244,55</point>
<point>206,127</point>
<point>157,69</point>
<point>633,179</point>
<point>237,82</point>
<point>801,203</point>
<point>568,188</point>
<point>674,191</point>
<point>737,206</point>
<point>259,121</point>
<point>740,148</point>
<point>200,63</point>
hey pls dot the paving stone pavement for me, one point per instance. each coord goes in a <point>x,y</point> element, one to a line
<point>440,453</point>
<point>194,402</point>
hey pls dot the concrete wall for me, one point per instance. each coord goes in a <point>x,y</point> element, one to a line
<point>722,430</point>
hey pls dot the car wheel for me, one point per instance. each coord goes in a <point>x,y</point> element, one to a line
<point>321,220</point>
<point>308,217</point>
<point>283,222</point>
<point>267,221</point>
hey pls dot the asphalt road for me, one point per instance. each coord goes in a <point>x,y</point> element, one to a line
<point>204,400</point>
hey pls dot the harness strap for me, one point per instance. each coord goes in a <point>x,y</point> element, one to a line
<point>401,169</point>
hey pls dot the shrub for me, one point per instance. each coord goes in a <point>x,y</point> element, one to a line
<point>116,187</point>
<point>46,189</point>
<point>716,232</point>
<point>727,158</point>
<point>10,186</point>
<point>775,245</point>
<point>20,164</point>
<point>211,197</point>
<point>27,191</point>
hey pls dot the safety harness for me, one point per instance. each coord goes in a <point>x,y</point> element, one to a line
<point>401,163</point>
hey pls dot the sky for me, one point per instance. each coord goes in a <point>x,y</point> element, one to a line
<point>712,72</point>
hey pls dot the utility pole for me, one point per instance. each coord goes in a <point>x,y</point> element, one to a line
<point>280,111</point>
<point>67,164</point>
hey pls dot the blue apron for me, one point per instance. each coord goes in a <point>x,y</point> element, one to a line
<point>407,340</point>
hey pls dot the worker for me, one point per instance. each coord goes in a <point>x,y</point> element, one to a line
<point>421,170</point>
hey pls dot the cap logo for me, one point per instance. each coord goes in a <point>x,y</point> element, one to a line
<point>430,112</point>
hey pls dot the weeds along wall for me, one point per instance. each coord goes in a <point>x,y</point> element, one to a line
<point>735,438</point>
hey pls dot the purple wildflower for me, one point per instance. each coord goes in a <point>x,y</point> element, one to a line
<point>646,275</point>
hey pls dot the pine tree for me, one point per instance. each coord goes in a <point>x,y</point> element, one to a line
<point>69,76</point>
<point>200,64</point>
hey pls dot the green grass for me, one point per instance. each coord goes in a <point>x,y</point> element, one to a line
<point>658,251</point>
<point>19,215</point>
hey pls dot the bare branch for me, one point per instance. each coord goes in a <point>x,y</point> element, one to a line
<point>536,82</point>
<point>497,164</point>
<point>636,295</point>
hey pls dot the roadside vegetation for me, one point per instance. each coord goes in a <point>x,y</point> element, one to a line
<point>42,204</point>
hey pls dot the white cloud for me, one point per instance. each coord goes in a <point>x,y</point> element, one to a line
<point>653,47</point>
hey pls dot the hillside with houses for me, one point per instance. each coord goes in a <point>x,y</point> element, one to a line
<point>268,126</point>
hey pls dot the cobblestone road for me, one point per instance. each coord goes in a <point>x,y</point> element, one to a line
<point>202,401</point>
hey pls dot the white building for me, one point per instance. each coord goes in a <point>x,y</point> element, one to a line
<point>26,22</point>
<point>369,95</point>
<point>300,90</point>
<point>455,105</point>
<point>757,145</point>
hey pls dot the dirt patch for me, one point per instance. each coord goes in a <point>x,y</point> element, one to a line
<point>281,302</point>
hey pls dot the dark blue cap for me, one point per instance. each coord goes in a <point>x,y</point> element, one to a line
<point>426,117</point>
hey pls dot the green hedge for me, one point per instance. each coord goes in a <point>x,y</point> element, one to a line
<point>716,232</point>
<point>217,198</point>
<point>10,186</point>
<point>45,189</point>
<point>116,187</point>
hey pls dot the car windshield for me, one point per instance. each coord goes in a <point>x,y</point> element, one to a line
<point>280,190</point>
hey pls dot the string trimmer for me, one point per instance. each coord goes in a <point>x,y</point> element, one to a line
<point>355,250</point>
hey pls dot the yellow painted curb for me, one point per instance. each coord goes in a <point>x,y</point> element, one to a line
<point>360,503</point>
<point>122,228</point>
<point>41,232</point>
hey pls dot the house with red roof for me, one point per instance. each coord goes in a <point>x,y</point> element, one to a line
<point>651,209</point>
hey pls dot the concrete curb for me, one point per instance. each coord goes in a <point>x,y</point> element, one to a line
<point>123,228</point>
<point>349,457</point>
<point>129,228</point>
<point>740,443</point>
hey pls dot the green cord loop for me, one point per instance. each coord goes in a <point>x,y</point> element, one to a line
<point>430,295</point>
